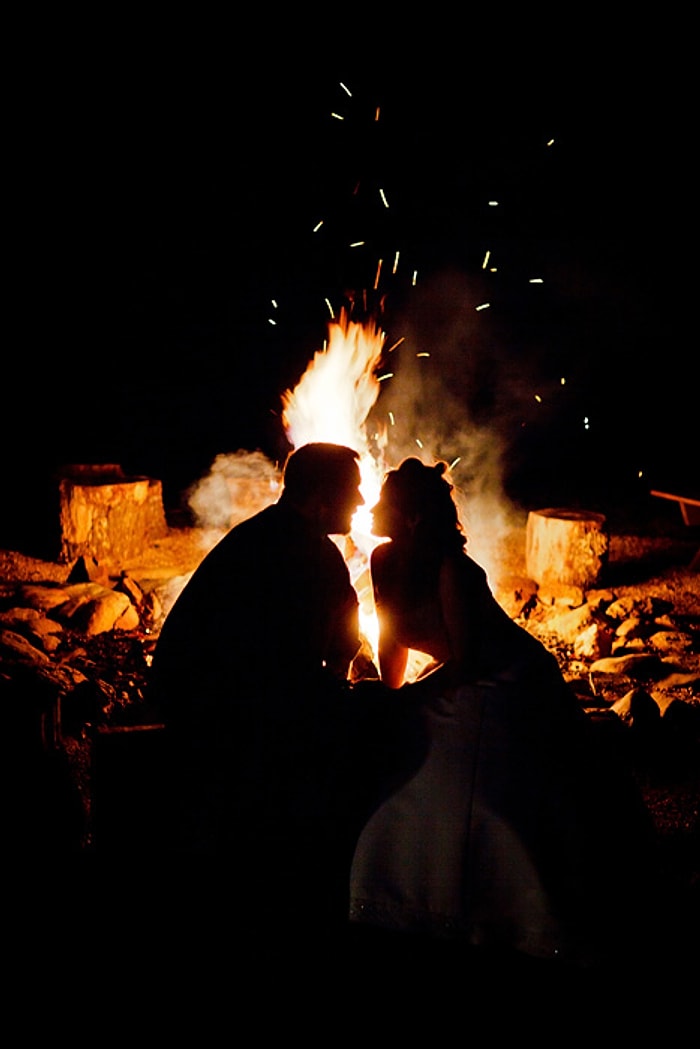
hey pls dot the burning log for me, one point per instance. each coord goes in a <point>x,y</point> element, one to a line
<point>565,548</point>
<point>107,515</point>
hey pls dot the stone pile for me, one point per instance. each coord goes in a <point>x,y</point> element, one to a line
<point>632,656</point>
<point>75,650</point>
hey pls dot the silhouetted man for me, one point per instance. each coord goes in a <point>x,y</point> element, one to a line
<point>269,779</point>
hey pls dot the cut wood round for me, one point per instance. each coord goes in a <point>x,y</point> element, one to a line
<point>566,547</point>
<point>108,516</point>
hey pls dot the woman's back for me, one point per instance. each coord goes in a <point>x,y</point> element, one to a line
<point>450,613</point>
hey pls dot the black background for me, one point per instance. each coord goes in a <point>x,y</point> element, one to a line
<point>165,185</point>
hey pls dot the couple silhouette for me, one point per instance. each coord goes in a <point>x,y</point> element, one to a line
<point>471,806</point>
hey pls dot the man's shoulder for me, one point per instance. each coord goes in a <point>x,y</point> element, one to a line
<point>261,523</point>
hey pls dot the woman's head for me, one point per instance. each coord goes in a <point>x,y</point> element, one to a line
<point>417,501</point>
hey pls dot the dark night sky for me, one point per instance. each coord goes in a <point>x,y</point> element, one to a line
<point>161,201</point>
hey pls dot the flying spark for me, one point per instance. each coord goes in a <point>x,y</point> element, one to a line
<point>484,306</point>
<point>347,92</point>
<point>379,270</point>
<point>423,354</point>
<point>330,308</point>
<point>397,343</point>
<point>318,226</point>
<point>383,196</point>
<point>337,116</point>
<point>485,263</point>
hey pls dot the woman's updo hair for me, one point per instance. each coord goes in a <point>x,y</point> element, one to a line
<point>424,495</point>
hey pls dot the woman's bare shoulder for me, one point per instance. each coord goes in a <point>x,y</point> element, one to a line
<point>380,556</point>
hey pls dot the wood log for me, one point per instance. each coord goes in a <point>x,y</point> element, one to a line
<point>108,516</point>
<point>566,548</point>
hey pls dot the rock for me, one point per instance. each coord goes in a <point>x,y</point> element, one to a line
<point>637,707</point>
<point>635,666</point>
<point>579,628</point>
<point>595,642</point>
<point>670,641</point>
<point>631,628</point>
<point>127,585</point>
<point>620,609</point>
<point>35,626</point>
<point>15,646</point>
<point>598,600</point>
<point>44,596</point>
<point>109,610</point>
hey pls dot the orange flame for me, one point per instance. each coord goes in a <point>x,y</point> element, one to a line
<point>339,388</point>
<point>332,402</point>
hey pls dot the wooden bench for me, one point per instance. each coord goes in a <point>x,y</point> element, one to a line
<point>690,509</point>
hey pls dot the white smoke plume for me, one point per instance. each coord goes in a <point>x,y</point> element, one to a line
<point>238,485</point>
<point>453,397</point>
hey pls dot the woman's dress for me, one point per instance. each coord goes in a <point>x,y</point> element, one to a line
<point>518,831</point>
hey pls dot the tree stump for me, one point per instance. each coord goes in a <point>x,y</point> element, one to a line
<point>108,516</point>
<point>566,548</point>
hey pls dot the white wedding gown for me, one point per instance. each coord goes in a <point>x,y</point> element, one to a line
<point>516,832</point>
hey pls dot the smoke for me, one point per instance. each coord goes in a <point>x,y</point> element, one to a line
<point>238,485</point>
<point>458,392</point>
<point>455,394</point>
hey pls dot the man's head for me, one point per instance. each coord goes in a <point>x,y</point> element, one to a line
<point>323,481</point>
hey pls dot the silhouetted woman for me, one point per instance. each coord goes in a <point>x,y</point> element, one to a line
<point>516,833</point>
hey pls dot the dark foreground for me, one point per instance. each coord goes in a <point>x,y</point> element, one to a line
<point>108,931</point>
<point>120,945</point>
<point>100,963</point>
